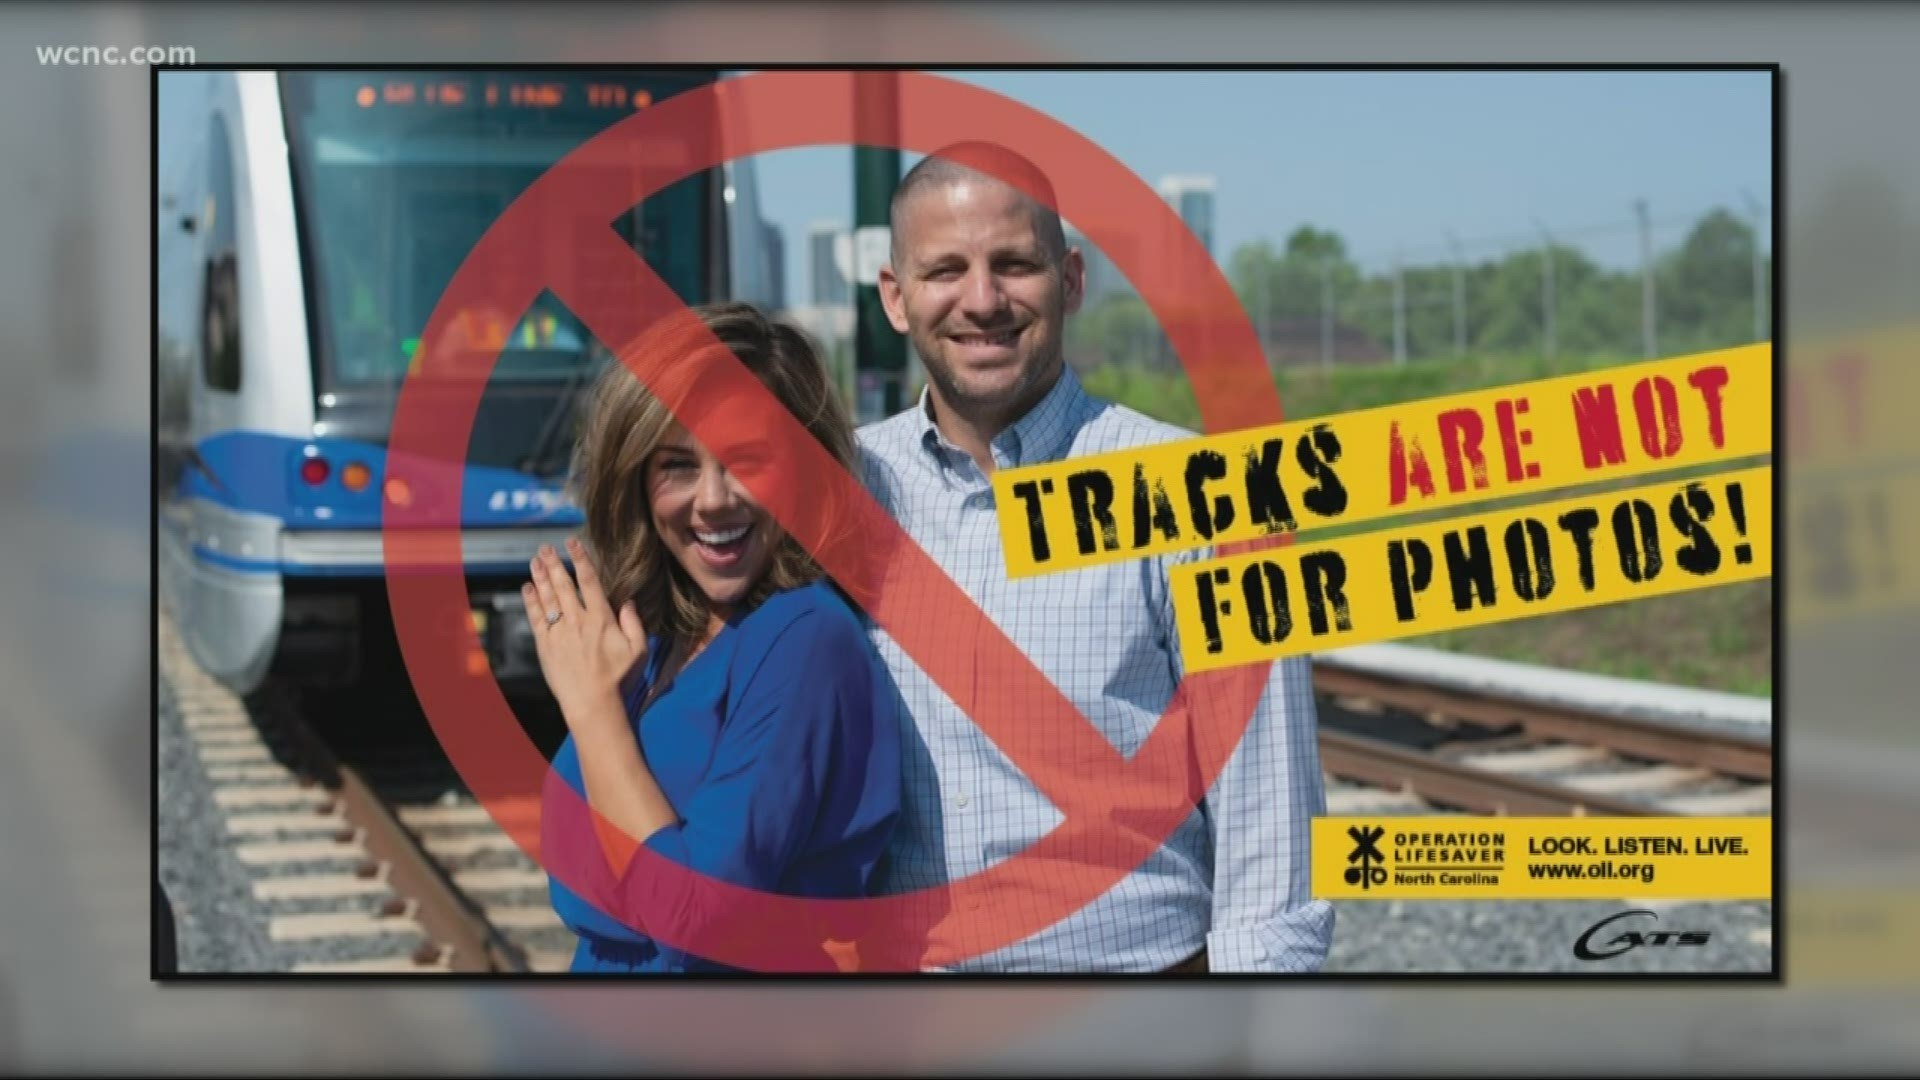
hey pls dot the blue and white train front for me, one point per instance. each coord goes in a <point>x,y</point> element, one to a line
<point>308,225</point>
<point>276,552</point>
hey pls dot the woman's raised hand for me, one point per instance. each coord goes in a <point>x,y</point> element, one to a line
<point>585,650</point>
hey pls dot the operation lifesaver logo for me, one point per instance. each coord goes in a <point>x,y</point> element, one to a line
<point>1547,858</point>
<point>1460,857</point>
<point>1366,855</point>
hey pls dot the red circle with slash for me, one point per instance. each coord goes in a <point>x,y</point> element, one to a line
<point>1116,810</point>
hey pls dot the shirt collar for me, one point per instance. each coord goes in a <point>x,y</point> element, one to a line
<point>1043,434</point>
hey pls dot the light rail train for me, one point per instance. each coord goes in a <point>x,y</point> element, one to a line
<point>308,222</point>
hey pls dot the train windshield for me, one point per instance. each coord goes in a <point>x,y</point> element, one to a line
<point>398,175</point>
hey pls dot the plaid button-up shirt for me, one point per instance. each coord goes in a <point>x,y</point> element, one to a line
<point>1233,877</point>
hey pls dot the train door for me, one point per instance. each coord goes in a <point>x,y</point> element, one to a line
<point>222,553</point>
<point>216,405</point>
<point>180,223</point>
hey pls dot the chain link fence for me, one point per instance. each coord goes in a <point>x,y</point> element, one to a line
<point>1639,287</point>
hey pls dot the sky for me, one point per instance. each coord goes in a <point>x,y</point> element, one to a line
<point>1393,161</point>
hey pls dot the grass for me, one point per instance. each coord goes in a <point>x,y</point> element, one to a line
<point>1309,392</point>
<point>1717,638</point>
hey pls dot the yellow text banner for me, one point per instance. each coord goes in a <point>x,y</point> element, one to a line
<point>1848,526</point>
<point>1370,464</point>
<point>1558,556</point>
<point>1847,398</point>
<point>1556,858</point>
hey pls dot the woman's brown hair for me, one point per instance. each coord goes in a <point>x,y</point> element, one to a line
<point>626,422</point>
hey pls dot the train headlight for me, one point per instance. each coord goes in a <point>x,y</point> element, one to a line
<point>398,493</point>
<point>356,476</point>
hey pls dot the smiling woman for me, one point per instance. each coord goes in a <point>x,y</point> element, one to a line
<point>646,486</point>
<point>724,706</point>
<point>707,521</point>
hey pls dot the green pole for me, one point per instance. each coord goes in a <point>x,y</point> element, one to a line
<point>880,353</point>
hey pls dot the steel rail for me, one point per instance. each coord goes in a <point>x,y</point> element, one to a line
<point>1462,787</point>
<point>1719,752</point>
<point>439,907</point>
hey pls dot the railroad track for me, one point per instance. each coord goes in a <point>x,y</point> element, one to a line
<point>1393,745</point>
<point>370,865</point>
<point>375,861</point>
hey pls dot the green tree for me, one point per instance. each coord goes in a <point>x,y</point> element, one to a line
<point>1705,287</point>
<point>1507,304</point>
<point>1119,329</point>
<point>1283,292</point>
<point>1853,253</point>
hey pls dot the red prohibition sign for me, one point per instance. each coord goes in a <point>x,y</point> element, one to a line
<point>1116,811</point>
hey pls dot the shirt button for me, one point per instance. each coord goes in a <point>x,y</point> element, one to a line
<point>960,800</point>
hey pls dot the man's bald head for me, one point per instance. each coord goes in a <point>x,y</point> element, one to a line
<point>967,162</point>
<point>981,282</point>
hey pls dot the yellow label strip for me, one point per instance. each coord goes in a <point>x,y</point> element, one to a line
<point>1558,858</point>
<point>1511,564</point>
<point>1619,423</point>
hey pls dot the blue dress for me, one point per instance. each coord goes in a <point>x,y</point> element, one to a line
<point>779,748</point>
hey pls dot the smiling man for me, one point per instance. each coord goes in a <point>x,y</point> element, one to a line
<point>982,282</point>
